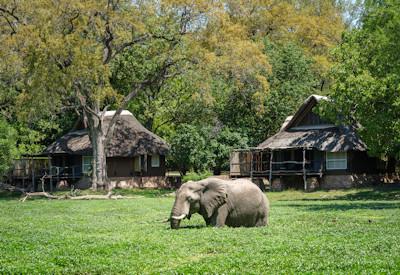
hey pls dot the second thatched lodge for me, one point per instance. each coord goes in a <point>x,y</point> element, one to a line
<point>308,152</point>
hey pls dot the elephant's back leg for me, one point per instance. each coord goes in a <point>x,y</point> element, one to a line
<point>262,219</point>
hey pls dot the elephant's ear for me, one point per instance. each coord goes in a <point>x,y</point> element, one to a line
<point>214,195</point>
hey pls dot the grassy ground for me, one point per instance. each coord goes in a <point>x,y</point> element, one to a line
<point>356,231</point>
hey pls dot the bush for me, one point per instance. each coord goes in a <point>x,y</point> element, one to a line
<point>193,176</point>
<point>189,149</point>
<point>8,149</point>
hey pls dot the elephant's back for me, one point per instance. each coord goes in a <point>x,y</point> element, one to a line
<point>243,186</point>
<point>250,205</point>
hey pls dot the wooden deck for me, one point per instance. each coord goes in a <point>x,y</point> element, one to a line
<point>256,163</point>
<point>28,175</point>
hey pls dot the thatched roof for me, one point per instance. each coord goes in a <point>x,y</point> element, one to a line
<point>130,139</point>
<point>333,140</point>
<point>323,137</point>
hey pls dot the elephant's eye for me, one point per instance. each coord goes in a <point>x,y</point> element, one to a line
<point>190,199</point>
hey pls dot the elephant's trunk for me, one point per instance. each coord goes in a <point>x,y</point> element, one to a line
<point>176,218</point>
<point>175,223</point>
<point>179,211</point>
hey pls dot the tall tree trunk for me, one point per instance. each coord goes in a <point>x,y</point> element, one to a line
<point>98,140</point>
<point>99,173</point>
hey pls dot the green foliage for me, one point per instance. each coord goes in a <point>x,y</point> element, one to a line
<point>202,148</point>
<point>366,78</point>
<point>245,65</point>
<point>193,176</point>
<point>170,96</point>
<point>222,145</point>
<point>189,149</point>
<point>292,80</point>
<point>8,149</point>
<point>335,232</point>
<point>34,135</point>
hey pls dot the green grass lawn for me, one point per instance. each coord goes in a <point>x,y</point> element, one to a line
<point>323,232</point>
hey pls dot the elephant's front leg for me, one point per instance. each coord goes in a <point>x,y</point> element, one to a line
<point>218,219</point>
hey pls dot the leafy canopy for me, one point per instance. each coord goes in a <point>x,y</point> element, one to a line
<point>366,76</point>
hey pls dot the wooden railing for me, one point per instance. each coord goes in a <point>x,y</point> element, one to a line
<point>53,171</point>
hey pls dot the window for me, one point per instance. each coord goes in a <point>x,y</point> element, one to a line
<point>137,165</point>
<point>336,160</point>
<point>155,161</point>
<point>87,164</point>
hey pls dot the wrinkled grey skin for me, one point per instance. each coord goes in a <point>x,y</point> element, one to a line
<point>221,202</point>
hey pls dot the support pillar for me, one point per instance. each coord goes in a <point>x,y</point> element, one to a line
<point>33,173</point>
<point>304,169</point>
<point>251,165</point>
<point>270,167</point>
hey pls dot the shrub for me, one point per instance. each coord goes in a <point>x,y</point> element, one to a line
<point>193,176</point>
<point>8,149</point>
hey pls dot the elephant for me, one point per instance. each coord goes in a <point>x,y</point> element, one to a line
<point>233,203</point>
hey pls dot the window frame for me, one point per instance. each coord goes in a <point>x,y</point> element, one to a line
<point>157,163</point>
<point>332,160</point>
<point>86,171</point>
<point>137,164</point>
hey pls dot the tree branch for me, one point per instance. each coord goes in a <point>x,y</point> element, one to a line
<point>108,38</point>
<point>135,90</point>
<point>123,46</point>
<point>13,31</point>
<point>83,104</point>
<point>11,13</point>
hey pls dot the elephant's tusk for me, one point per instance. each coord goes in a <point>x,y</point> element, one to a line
<point>179,217</point>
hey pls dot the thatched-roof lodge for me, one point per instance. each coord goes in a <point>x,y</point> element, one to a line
<point>308,152</point>
<point>135,156</point>
<point>133,150</point>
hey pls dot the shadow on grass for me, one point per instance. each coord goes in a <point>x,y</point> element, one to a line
<point>197,226</point>
<point>347,206</point>
<point>7,195</point>
<point>376,193</point>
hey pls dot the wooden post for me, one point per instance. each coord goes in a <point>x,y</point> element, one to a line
<point>58,176</point>
<point>270,169</point>
<point>33,175</point>
<point>145,163</point>
<point>251,165</point>
<point>50,173</point>
<point>304,169</point>
<point>321,168</point>
<point>51,185</point>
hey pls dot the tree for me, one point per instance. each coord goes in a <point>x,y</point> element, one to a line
<point>366,78</point>
<point>291,81</point>
<point>189,149</point>
<point>95,55</point>
<point>316,25</point>
<point>62,52</point>
<point>8,148</point>
<point>202,148</point>
<point>220,48</point>
<point>222,145</point>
